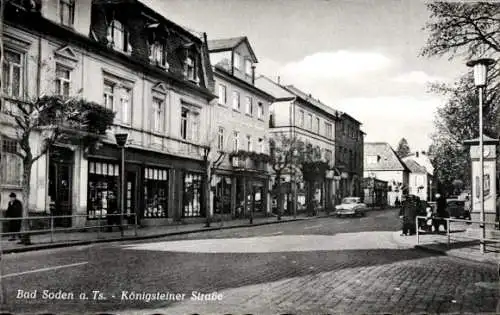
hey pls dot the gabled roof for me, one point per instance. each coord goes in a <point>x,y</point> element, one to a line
<point>268,85</point>
<point>387,160</point>
<point>226,44</point>
<point>304,96</point>
<point>415,167</point>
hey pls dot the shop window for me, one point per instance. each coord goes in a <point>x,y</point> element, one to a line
<point>10,163</point>
<point>192,195</point>
<point>102,189</point>
<point>155,193</point>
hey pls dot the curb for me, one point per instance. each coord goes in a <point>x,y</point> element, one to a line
<point>132,238</point>
<point>456,255</point>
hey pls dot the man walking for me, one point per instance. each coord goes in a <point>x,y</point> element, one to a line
<point>408,214</point>
<point>15,213</point>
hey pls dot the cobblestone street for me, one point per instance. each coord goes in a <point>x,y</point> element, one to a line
<point>307,267</point>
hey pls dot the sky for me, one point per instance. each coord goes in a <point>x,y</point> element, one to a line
<point>357,56</point>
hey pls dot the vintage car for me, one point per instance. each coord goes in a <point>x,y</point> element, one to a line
<point>456,209</point>
<point>350,206</point>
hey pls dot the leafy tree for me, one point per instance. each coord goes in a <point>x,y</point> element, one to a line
<point>466,30</point>
<point>403,148</point>
<point>212,159</point>
<point>284,151</point>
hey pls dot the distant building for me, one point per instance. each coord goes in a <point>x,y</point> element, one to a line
<point>419,181</point>
<point>382,162</point>
<point>424,160</point>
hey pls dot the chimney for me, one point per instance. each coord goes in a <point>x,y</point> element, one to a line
<point>279,80</point>
<point>253,74</point>
<point>416,154</point>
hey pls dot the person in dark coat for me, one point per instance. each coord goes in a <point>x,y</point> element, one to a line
<point>114,218</point>
<point>409,214</point>
<point>14,211</point>
<point>441,213</point>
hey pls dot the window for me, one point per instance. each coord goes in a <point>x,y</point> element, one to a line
<point>260,110</point>
<point>317,125</point>
<point>118,37</point>
<point>301,118</point>
<point>155,193</point>
<point>109,95</point>
<point>236,141</point>
<point>192,195</point>
<point>63,80</point>
<point>190,69</point>
<point>67,12</point>
<point>189,125</point>
<point>125,104</point>
<point>249,143</point>
<point>10,163</point>
<point>222,94</point>
<point>237,61</point>
<point>372,159</point>
<point>249,106</point>
<point>261,145</point>
<point>236,100</point>
<point>328,130</point>
<point>184,123</point>
<point>12,73</point>
<point>248,67</point>
<point>102,189</point>
<point>158,114</point>
<point>220,139</point>
<point>158,53</point>
<point>309,121</point>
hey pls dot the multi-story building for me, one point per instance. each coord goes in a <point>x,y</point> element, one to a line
<point>239,130</point>
<point>349,146</point>
<point>299,115</point>
<point>419,179</point>
<point>153,73</point>
<point>381,162</point>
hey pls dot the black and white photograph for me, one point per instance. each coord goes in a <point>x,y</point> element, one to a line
<point>302,157</point>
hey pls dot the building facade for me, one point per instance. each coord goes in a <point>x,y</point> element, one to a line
<point>424,160</point>
<point>419,179</point>
<point>239,125</point>
<point>156,77</point>
<point>298,115</point>
<point>381,162</point>
<point>349,144</point>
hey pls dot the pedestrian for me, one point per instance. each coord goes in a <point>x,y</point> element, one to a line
<point>468,208</point>
<point>408,214</point>
<point>397,203</point>
<point>441,213</point>
<point>112,215</point>
<point>15,213</point>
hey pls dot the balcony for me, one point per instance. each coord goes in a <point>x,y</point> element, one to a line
<point>249,161</point>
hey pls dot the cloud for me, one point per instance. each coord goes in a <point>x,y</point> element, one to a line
<point>391,118</point>
<point>337,64</point>
<point>417,77</point>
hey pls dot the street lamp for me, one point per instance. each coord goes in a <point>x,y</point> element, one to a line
<point>480,67</point>
<point>121,140</point>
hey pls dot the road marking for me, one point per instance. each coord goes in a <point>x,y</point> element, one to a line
<point>313,227</point>
<point>43,269</point>
<point>272,234</point>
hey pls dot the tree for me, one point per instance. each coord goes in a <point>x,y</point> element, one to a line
<point>313,171</point>
<point>467,30</point>
<point>212,160</point>
<point>403,148</point>
<point>284,150</point>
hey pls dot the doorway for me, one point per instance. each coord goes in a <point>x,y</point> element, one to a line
<point>130,196</point>
<point>60,185</point>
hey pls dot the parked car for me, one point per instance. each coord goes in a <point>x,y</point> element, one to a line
<point>456,209</point>
<point>350,206</point>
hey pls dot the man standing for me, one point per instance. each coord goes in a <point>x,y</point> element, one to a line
<point>441,213</point>
<point>408,213</point>
<point>15,213</point>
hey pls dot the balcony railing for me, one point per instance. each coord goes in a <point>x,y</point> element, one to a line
<point>240,162</point>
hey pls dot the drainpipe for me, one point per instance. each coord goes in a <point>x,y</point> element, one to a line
<point>253,74</point>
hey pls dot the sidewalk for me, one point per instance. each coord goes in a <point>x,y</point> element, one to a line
<point>464,244</point>
<point>65,239</point>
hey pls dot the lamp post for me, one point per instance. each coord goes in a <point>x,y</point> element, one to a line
<point>480,67</point>
<point>121,140</point>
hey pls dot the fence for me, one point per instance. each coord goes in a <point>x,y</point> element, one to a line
<point>115,219</point>
<point>458,230</point>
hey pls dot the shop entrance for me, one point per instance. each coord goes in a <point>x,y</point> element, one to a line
<point>60,185</point>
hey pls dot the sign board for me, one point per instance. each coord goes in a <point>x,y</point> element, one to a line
<point>344,175</point>
<point>329,174</point>
<point>486,185</point>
